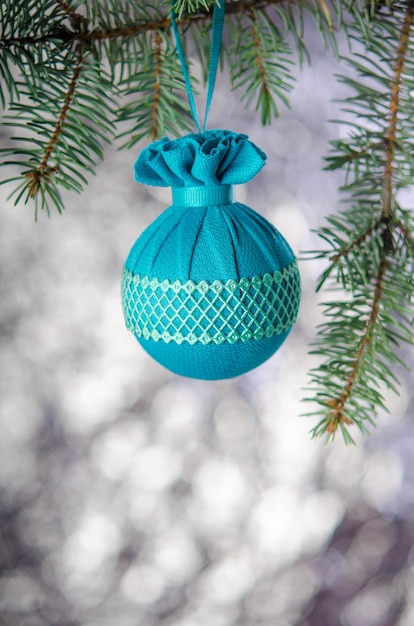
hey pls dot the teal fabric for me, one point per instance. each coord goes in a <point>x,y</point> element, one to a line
<point>215,157</point>
<point>203,195</point>
<point>221,242</point>
<point>209,243</point>
<point>213,362</point>
<point>202,312</point>
<point>221,313</point>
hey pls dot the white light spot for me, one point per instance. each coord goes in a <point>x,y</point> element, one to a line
<point>382,479</point>
<point>294,141</point>
<point>142,584</point>
<point>19,593</point>
<point>155,469</point>
<point>273,525</point>
<point>177,556</point>
<point>178,410</point>
<point>319,516</point>
<point>368,607</point>
<point>221,493</point>
<point>228,580</point>
<point>115,451</point>
<point>96,539</point>
<point>233,419</point>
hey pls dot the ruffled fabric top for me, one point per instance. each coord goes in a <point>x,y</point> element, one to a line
<point>215,157</point>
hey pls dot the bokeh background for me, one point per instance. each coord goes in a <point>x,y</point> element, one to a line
<point>134,497</point>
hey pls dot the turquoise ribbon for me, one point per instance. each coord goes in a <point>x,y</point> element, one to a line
<point>205,195</point>
<point>216,36</point>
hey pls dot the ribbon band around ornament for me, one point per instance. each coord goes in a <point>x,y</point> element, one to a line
<point>211,312</point>
<point>214,195</point>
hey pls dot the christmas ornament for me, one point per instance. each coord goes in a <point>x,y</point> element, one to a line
<point>211,289</point>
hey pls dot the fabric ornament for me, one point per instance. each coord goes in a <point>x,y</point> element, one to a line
<point>210,289</point>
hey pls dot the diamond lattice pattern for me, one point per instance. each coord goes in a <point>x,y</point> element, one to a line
<point>232,311</point>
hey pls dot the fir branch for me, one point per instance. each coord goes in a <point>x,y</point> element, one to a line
<point>337,416</point>
<point>23,25</point>
<point>66,7</point>
<point>327,13</point>
<point>68,128</point>
<point>371,243</point>
<point>407,234</point>
<point>265,101</point>
<point>43,171</point>
<point>263,69</point>
<point>70,11</point>
<point>108,21</point>
<point>359,342</point>
<point>356,243</point>
<point>142,25</point>
<point>345,250</point>
<point>154,94</point>
<point>192,6</point>
<point>164,21</point>
<point>394,108</point>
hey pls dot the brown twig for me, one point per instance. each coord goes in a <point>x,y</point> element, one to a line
<point>407,235</point>
<point>259,60</point>
<point>337,405</point>
<point>142,26</point>
<point>157,86</point>
<point>70,12</point>
<point>44,170</point>
<point>394,106</point>
<point>244,6</point>
<point>357,242</point>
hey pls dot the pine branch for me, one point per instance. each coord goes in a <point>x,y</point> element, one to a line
<point>161,23</point>
<point>263,69</point>
<point>337,415</point>
<point>156,102</point>
<point>50,43</point>
<point>265,100</point>
<point>69,127</point>
<point>18,54</point>
<point>76,18</point>
<point>42,173</point>
<point>164,21</point>
<point>394,107</point>
<point>371,243</point>
<point>192,6</point>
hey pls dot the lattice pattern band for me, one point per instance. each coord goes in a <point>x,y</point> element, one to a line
<point>232,311</point>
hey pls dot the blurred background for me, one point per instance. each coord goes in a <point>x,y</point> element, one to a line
<point>130,496</point>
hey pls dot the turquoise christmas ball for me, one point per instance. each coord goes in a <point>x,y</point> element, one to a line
<point>211,288</point>
<point>211,292</point>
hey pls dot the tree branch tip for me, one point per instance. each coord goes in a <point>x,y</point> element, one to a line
<point>36,176</point>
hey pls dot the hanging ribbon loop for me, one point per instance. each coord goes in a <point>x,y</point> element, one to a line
<point>216,37</point>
